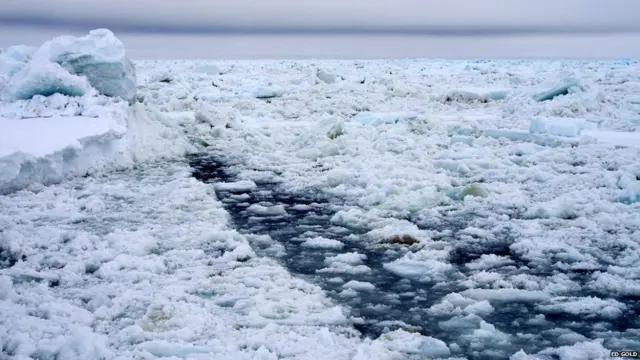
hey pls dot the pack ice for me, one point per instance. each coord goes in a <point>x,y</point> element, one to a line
<point>62,114</point>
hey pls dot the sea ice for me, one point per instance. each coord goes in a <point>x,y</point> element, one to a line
<point>326,77</point>
<point>420,270</point>
<point>375,119</point>
<point>568,86</point>
<point>559,126</point>
<point>21,53</point>
<point>359,285</point>
<point>261,210</point>
<point>99,56</point>
<point>48,150</point>
<point>615,138</point>
<point>511,134</point>
<point>323,243</point>
<point>45,78</point>
<point>476,94</point>
<point>242,186</point>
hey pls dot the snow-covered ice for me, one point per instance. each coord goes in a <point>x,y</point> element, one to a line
<point>60,126</point>
<point>18,135</point>
<point>49,149</point>
<point>541,255</point>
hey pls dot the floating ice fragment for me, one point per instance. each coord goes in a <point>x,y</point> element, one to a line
<point>469,190</point>
<point>511,134</point>
<point>559,126</point>
<point>359,285</point>
<point>326,77</point>
<point>163,348</point>
<point>241,186</point>
<point>434,347</point>
<point>568,86</point>
<point>501,295</point>
<point>462,139</point>
<point>260,210</point>
<point>375,119</point>
<point>424,270</point>
<point>267,93</point>
<point>475,94</point>
<point>628,200</point>
<point>320,242</point>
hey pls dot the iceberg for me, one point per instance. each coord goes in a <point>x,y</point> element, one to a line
<point>45,78</point>
<point>20,53</point>
<point>99,56</point>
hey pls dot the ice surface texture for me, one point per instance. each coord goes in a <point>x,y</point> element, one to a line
<point>62,64</point>
<point>143,263</point>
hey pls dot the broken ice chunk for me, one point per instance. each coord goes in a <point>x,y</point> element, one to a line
<point>567,87</point>
<point>559,126</point>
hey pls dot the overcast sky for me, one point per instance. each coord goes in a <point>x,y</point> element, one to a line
<point>328,15</point>
<point>599,19</point>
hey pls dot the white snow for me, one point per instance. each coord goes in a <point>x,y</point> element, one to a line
<point>48,150</point>
<point>502,295</point>
<point>17,135</point>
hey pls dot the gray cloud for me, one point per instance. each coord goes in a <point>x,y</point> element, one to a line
<point>190,46</point>
<point>450,17</point>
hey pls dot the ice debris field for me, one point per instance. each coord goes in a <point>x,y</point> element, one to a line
<point>361,210</point>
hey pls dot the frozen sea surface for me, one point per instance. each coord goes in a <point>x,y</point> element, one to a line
<point>414,295</point>
<point>345,200</point>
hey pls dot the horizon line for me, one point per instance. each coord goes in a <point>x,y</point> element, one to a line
<point>437,31</point>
